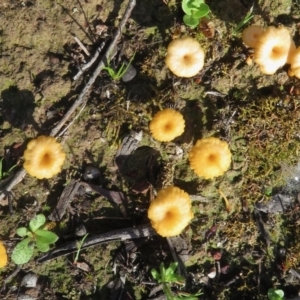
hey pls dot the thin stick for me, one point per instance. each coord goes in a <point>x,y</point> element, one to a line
<point>80,100</point>
<point>78,41</point>
<point>124,234</point>
<point>88,64</point>
<point>19,176</point>
<point>99,68</point>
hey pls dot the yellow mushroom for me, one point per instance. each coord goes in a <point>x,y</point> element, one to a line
<point>43,157</point>
<point>166,125</point>
<point>210,157</point>
<point>170,212</point>
<point>295,63</point>
<point>3,256</point>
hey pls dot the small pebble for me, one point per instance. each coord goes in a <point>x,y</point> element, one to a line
<point>80,230</point>
<point>29,280</point>
<point>130,73</point>
<point>91,173</point>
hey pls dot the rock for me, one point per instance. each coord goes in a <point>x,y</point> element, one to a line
<point>29,280</point>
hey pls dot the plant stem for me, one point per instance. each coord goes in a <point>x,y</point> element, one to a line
<point>167,291</point>
<point>79,248</point>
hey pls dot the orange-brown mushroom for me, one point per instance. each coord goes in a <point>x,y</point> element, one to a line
<point>166,125</point>
<point>170,212</point>
<point>210,157</point>
<point>43,157</point>
<point>251,35</point>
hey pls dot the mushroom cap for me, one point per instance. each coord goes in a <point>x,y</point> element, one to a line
<point>210,157</point>
<point>185,57</point>
<point>166,125</point>
<point>43,157</point>
<point>294,61</point>
<point>3,256</point>
<point>272,49</point>
<point>294,72</point>
<point>251,35</point>
<point>170,212</point>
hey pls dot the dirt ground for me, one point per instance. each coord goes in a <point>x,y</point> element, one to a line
<point>236,253</point>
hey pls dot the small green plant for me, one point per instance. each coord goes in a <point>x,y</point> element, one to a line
<point>79,246</point>
<point>244,21</point>
<point>275,294</point>
<point>194,11</point>
<point>167,277</point>
<point>2,173</point>
<point>36,236</point>
<point>116,75</point>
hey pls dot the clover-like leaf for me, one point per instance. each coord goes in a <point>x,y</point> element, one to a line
<point>45,236</point>
<point>201,12</point>
<point>275,294</point>
<point>22,252</point>
<point>37,222</point>
<point>22,231</point>
<point>188,5</point>
<point>190,21</point>
<point>42,246</point>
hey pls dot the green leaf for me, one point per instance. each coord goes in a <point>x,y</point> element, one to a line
<point>45,236</point>
<point>155,274</point>
<point>22,231</point>
<point>37,222</point>
<point>188,5</point>
<point>201,12</point>
<point>190,21</point>
<point>275,294</point>
<point>42,247</point>
<point>22,252</point>
<point>172,268</point>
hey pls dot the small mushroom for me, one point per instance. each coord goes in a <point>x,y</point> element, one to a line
<point>295,63</point>
<point>43,157</point>
<point>273,48</point>
<point>185,57</point>
<point>3,256</point>
<point>166,125</point>
<point>210,157</point>
<point>170,212</point>
<point>251,35</point>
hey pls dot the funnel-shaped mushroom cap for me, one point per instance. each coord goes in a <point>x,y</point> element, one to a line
<point>3,256</point>
<point>170,212</point>
<point>185,57</point>
<point>251,35</point>
<point>166,125</point>
<point>295,63</point>
<point>43,157</point>
<point>210,157</point>
<point>273,48</point>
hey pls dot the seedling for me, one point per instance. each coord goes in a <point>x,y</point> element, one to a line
<point>194,11</point>
<point>275,294</point>
<point>167,277</point>
<point>244,21</point>
<point>2,173</point>
<point>79,246</point>
<point>36,236</point>
<point>116,75</point>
